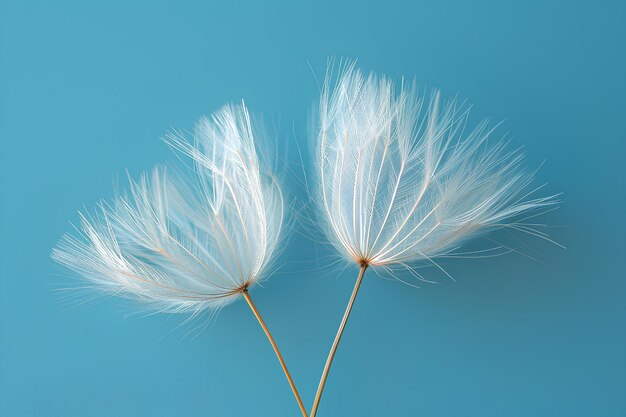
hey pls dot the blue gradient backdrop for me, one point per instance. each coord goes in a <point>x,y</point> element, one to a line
<point>87,88</point>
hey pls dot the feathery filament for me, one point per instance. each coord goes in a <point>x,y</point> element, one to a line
<point>186,244</point>
<point>400,180</point>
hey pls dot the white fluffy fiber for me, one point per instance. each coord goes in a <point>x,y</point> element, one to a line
<point>186,243</point>
<point>402,179</point>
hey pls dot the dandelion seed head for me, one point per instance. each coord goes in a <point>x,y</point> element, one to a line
<point>186,242</point>
<point>401,178</point>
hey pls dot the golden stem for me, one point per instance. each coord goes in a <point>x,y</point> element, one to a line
<point>333,349</point>
<point>245,294</point>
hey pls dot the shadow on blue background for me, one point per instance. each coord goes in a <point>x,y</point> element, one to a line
<point>87,89</point>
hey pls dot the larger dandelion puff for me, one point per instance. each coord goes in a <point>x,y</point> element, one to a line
<point>400,181</point>
<point>189,245</point>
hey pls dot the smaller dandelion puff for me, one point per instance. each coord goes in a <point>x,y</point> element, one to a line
<point>189,245</point>
<point>186,244</point>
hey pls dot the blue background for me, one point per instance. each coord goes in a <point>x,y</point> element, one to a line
<point>86,90</point>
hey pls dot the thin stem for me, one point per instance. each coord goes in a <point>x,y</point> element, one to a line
<point>275,347</point>
<point>333,349</point>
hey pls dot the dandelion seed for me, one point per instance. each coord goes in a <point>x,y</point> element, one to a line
<point>185,245</point>
<point>400,180</point>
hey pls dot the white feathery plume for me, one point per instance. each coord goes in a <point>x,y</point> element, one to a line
<point>188,245</point>
<point>401,181</point>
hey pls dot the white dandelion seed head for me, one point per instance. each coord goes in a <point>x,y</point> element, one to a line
<point>400,178</point>
<point>181,243</point>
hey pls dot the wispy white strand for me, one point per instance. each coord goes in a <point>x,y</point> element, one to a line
<point>399,178</point>
<point>186,244</point>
